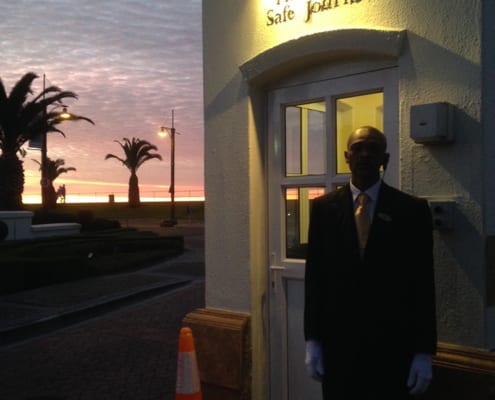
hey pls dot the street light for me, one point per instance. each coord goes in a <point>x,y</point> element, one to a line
<point>49,120</point>
<point>65,114</point>
<point>45,181</point>
<point>164,132</point>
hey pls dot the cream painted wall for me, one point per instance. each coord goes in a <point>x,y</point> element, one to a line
<point>441,61</point>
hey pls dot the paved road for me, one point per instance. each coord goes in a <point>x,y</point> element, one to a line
<point>128,353</point>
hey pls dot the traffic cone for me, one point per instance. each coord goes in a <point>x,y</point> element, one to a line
<point>187,386</point>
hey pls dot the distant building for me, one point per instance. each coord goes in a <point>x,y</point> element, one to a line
<point>285,82</point>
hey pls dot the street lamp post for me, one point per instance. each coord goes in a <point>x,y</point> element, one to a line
<point>44,178</point>
<point>48,121</point>
<point>164,132</point>
<point>45,183</point>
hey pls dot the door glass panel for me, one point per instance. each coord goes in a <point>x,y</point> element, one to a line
<point>305,139</point>
<point>351,113</point>
<point>297,208</point>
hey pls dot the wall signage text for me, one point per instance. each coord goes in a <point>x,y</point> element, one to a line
<point>283,11</point>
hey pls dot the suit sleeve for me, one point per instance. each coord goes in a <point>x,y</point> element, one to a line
<point>314,280</point>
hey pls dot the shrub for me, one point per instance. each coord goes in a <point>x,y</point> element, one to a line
<point>27,264</point>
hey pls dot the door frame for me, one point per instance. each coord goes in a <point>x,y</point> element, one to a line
<point>282,270</point>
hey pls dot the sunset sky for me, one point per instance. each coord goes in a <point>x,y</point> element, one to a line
<point>131,62</point>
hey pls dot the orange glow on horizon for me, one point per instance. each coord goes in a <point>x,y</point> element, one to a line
<point>78,191</point>
<point>73,199</point>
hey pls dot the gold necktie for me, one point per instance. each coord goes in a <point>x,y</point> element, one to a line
<point>362,221</point>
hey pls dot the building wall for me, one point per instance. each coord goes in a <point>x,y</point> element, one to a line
<point>440,62</point>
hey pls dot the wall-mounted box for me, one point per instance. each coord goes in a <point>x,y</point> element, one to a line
<point>442,213</point>
<point>432,123</point>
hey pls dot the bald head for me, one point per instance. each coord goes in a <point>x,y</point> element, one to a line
<point>368,133</point>
<point>366,153</point>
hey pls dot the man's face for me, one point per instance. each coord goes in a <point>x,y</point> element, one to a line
<point>366,153</point>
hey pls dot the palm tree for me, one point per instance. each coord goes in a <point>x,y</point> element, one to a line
<point>54,168</point>
<point>22,120</point>
<point>136,152</point>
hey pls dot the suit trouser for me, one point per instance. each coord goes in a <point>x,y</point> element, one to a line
<point>368,375</point>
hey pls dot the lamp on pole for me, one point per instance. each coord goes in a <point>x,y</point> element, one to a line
<point>164,132</point>
<point>45,180</point>
<point>49,120</point>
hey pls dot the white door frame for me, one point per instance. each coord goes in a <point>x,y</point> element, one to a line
<point>287,375</point>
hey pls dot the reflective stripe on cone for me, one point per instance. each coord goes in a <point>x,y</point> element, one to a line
<point>187,385</point>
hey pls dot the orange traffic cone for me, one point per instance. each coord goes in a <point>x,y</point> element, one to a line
<point>187,386</point>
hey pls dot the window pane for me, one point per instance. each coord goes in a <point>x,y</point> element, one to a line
<point>298,206</point>
<point>293,140</point>
<point>305,139</point>
<point>351,113</point>
<point>316,142</point>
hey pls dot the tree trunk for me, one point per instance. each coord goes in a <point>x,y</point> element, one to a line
<point>50,196</point>
<point>11,182</point>
<point>134,200</point>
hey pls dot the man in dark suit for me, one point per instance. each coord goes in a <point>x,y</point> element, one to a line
<point>369,320</point>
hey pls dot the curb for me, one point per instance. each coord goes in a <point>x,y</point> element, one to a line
<point>72,315</point>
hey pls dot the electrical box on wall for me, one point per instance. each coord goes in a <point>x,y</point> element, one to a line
<point>432,123</point>
<point>442,213</point>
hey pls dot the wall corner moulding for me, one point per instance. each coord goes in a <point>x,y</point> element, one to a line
<point>322,47</point>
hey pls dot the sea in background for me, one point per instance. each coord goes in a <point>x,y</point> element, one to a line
<point>191,210</point>
<point>120,196</point>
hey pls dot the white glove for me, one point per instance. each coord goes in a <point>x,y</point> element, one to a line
<point>420,374</point>
<point>314,360</point>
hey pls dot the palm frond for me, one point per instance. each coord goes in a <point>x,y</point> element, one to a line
<point>143,159</point>
<point>74,117</point>
<point>65,170</point>
<point>116,157</point>
<point>3,96</point>
<point>43,93</point>
<point>21,90</point>
<point>136,152</point>
<point>54,168</point>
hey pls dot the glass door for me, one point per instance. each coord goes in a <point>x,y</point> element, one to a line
<point>308,130</point>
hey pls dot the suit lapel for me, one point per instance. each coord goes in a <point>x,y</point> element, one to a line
<point>382,216</point>
<point>348,223</point>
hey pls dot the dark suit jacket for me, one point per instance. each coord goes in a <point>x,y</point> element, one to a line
<point>384,302</point>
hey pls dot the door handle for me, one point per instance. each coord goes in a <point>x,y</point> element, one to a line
<point>274,271</point>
